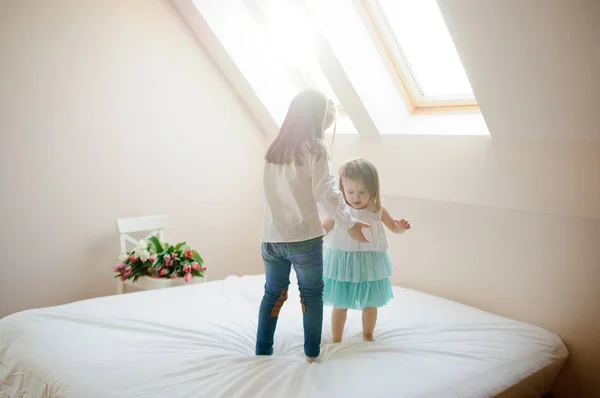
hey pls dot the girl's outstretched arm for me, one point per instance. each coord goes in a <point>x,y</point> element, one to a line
<point>328,224</point>
<point>396,226</point>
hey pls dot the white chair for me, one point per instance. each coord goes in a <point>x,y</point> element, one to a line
<point>154,226</point>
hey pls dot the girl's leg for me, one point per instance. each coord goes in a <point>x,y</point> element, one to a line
<point>277,273</point>
<point>369,319</point>
<point>338,320</point>
<point>307,258</point>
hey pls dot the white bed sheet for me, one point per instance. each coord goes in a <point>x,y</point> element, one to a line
<point>198,341</point>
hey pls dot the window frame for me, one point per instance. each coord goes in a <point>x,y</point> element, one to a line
<point>382,35</point>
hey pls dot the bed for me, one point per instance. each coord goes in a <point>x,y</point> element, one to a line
<point>198,341</point>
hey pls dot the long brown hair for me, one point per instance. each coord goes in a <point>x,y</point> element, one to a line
<point>309,115</point>
<point>361,169</point>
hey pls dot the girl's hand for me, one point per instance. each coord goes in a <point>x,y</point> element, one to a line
<point>327,225</point>
<point>401,226</point>
<point>356,232</point>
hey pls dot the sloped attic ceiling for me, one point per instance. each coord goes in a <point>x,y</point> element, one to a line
<point>390,66</point>
<point>534,65</point>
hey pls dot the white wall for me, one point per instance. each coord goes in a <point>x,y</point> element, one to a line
<point>111,109</point>
<point>533,65</point>
<point>547,177</point>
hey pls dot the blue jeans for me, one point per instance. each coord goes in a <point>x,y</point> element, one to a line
<point>307,258</point>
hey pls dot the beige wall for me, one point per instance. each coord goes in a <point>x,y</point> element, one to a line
<point>548,177</point>
<point>111,109</point>
<point>531,200</point>
<point>533,65</point>
<point>511,228</point>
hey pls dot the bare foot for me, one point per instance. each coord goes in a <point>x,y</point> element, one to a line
<point>368,337</point>
<point>311,360</point>
<point>335,341</point>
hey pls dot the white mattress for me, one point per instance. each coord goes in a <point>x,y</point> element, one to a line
<point>198,341</point>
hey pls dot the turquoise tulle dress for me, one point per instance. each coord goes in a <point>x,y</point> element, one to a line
<point>356,275</point>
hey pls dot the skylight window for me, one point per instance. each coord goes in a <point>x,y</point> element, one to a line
<point>380,61</point>
<point>418,42</point>
<point>421,33</point>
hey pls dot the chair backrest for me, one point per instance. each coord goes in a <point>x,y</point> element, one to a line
<point>155,225</point>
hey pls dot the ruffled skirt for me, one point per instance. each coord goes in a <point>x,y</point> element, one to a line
<point>356,280</point>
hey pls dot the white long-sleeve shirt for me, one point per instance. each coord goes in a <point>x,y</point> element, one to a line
<point>292,196</point>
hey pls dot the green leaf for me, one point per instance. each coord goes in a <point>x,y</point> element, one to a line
<point>197,257</point>
<point>179,245</point>
<point>156,243</point>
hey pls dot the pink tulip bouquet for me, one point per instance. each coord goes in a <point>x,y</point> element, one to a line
<point>160,260</point>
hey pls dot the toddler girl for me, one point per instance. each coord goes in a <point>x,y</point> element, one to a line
<point>356,274</point>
